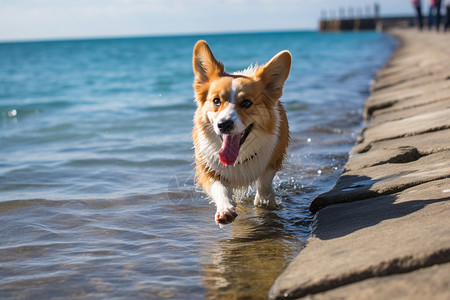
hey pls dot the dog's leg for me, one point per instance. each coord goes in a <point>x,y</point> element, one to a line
<point>265,196</point>
<point>223,197</point>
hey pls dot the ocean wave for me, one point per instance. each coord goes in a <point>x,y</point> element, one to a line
<point>124,163</point>
<point>174,107</point>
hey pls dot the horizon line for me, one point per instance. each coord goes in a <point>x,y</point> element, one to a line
<point>155,35</point>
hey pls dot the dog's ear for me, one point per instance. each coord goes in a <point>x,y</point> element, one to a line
<point>206,66</point>
<point>274,73</point>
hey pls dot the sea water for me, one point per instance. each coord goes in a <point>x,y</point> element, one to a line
<point>97,198</point>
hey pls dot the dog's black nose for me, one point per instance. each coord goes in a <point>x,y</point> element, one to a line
<point>225,126</point>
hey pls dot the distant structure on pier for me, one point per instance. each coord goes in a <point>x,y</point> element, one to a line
<point>356,20</point>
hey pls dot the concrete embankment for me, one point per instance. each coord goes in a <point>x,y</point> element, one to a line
<point>383,231</point>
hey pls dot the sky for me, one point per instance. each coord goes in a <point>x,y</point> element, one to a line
<point>61,19</point>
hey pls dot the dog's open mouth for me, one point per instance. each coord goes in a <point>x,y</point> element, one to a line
<point>231,145</point>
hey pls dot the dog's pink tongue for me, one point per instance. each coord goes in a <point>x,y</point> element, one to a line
<point>230,149</point>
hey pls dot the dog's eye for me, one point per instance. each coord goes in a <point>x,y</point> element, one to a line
<point>246,103</point>
<point>216,101</point>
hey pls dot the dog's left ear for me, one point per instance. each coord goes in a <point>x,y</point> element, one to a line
<point>205,65</point>
<point>274,73</point>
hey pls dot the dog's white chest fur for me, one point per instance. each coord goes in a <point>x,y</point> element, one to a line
<point>253,159</point>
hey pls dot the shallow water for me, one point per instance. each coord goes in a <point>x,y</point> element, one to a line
<point>96,191</point>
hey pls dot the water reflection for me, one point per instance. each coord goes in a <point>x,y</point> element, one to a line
<point>244,265</point>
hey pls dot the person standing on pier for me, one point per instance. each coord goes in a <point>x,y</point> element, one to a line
<point>447,14</point>
<point>418,6</point>
<point>435,14</point>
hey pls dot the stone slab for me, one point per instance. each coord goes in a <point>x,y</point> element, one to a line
<point>375,157</point>
<point>384,179</point>
<point>397,69</point>
<point>415,76</point>
<point>426,143</point>
<point>417,41</point>
<point>386,235</point>
<point>388,98</point>
<point>418,124</point>
<point>409,286</point>
<point>412,108</point>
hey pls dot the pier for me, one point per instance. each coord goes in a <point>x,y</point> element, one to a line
<point>358,24</point>
<point>362,19</point>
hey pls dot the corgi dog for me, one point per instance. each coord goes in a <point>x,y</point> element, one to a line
<point>240,129</point>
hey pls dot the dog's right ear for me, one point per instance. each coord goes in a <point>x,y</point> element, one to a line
<point>206,66</point>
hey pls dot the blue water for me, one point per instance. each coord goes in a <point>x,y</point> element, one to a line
<point>96,192</point>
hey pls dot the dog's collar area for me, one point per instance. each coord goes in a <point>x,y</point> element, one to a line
<point>245,134</point>
<point>248,158</point>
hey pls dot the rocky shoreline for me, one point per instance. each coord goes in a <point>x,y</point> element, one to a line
<point>383,231</point>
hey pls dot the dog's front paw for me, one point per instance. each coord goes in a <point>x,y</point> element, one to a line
<point>225,216</point>
<point>265,201</point>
